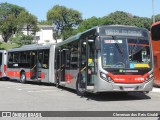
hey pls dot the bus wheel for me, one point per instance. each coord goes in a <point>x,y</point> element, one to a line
<point>80,87</point>
<point>57,80</point>
<point>57,83</point>
<point>23,78</point>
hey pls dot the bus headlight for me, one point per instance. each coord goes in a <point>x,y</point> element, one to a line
<point>150,77</point>
<point>105,77</point>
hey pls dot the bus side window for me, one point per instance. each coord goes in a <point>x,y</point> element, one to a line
<point>0,59</point>
<point>46,60</point>
<point>10,58</point>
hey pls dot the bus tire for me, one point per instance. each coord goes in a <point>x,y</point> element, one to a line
<point>23,77</point>
<point>57,80</point>
<point>80,91</point>
<point>57,83</point>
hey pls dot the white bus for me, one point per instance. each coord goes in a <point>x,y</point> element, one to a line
<point>3,63</point>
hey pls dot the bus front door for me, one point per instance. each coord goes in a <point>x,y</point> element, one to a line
<point>85,79</point>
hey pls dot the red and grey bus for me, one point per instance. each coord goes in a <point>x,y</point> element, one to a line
<point>155,34</point>
<point>3,63</point>
<point>102,59</point>
<point>111,58</point>
<point>31,63</point>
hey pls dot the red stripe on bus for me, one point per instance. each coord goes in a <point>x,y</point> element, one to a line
<point>13,74</point>
<point>68,77</point>
<point>28,74</point>
<point>42,75</point>
<point>128,78</point>
<point>5,68</point>
<point>0,74</point>
<point>138,44</point>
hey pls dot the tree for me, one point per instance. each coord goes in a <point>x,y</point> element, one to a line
<point>13,18</point>
<point>157,17</point>
<point>44,22</point>
<point>8,19</point>
<point>27,21</point>
<point>21,39</point>
<point>64,18</point>
<point>142,22</point>
<point>91,22</point>
<point>123,18</point>
<point>120,18</point>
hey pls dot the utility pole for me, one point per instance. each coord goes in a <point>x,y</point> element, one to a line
<point>153,16</point>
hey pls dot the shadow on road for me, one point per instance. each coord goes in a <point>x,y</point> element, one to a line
<point>109,96</point>
<point>115,96</point>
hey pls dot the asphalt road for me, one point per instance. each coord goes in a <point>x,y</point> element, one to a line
<point>15,96</point>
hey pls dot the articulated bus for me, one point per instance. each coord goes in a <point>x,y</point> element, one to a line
<point>102,59</point>
<point>106,58</point>
<point>31,63</point>
<point>155,34</point>
<point>3,63</point>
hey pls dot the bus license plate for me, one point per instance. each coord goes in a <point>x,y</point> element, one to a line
<point>128,89</point>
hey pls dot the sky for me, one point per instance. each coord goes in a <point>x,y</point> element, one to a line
<point>89,8</point>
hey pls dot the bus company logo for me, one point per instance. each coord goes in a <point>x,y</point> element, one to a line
<point>125,71</point>
<point>121,70</point>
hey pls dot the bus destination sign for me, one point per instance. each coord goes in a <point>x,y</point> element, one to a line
<point>123,32</point>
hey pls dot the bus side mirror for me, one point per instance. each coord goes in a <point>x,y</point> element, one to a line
<point>97,44</point>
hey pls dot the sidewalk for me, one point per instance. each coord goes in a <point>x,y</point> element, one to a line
<point>155,89</point>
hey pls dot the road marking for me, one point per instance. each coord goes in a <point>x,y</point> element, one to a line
<point>41,91</point>
<point>19,89</point>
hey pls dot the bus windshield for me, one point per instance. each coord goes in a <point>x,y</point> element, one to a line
<point>125,52</point>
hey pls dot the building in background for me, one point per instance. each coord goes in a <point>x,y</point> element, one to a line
<point>44,35</point>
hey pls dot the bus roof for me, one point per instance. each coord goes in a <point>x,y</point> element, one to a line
<point>31,47</point>
<point>2,51</point>
<point>155,31</point>
<point>77,36</point>
<point>156,23</point>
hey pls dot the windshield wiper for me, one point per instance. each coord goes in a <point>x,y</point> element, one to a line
<point>117,45</point>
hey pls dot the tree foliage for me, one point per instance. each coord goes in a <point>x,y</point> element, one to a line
<point>28,22</point>
<point>123,18</point>
<point>13,18</point>
<point>64,18</point>
<point>157,17</point>
<point>91,22</point>
<point>21,39</point>
<point>8,19</point>
<point>44,22</point>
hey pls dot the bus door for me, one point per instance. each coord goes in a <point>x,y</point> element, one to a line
<point>87,63</point>
<point>33,60</point>
<point>35,68</point>
<point>1,65</point>
<point>43,58</point>
<point>63,62</point>
<point>157,68</point>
